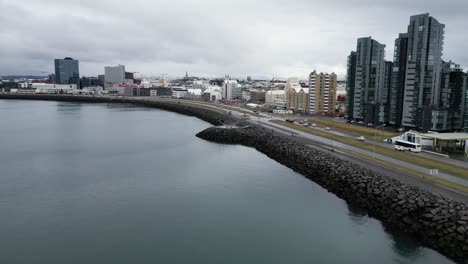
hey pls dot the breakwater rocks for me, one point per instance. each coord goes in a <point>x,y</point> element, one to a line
<point>211,115</point>
<point>434,220</point>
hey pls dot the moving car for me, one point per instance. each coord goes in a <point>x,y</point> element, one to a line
<point>327,129</point>
<point>361,138</point>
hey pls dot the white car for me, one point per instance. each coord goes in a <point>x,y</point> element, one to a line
<point>361,138</point>
<point>314,125</point>
<point>327,129</point>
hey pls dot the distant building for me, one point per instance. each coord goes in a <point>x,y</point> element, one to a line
<point>90,82</point>
<point>114,74</point>
<point>194,94</point>
<point>271,96</point>
<point>297,98</point>
<point>232,90</point>
<point>179,94</point>
<point>257,96</point>
<point>129,75</point>
<point>212,94</point>
<point>45,88</point>
<point>67,71</point>
<point>322,93</point>
<point>163,80</point>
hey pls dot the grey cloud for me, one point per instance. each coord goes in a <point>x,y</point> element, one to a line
<point>210,37</point>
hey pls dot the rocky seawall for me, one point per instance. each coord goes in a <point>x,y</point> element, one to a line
<point>435,221</point>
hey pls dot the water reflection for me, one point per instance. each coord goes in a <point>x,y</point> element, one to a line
<point>403,244</point>
<point>357,215</point>
<point>68,107</point>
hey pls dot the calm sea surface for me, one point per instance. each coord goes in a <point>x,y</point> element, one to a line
<point>96,183</point>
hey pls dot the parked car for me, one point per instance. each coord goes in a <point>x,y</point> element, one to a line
<point>314,125</point>
<point>361,138</point>
<point>327,129</point>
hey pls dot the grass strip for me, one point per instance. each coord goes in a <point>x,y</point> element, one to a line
<point>407,157</point>
<point>410,171</point>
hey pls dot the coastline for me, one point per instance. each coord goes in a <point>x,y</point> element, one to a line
<point>437,222</point>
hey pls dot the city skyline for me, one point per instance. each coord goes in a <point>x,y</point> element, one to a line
<point>241,39</point>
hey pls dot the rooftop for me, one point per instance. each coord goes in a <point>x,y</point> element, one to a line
<point>447,136</point>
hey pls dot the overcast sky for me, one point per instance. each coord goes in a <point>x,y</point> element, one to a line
<point>211,37</point>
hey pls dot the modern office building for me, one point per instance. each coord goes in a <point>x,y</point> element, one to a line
<point>350,84</point>
<point>423,71</point>
<point>398,80</point>
<point>322,93</point>
<point>384,95</point>
<point>115,74</point>
<point>67,71</point>
<point>369,76</point>
<point>465,104</point>
<point>90,82</point>
<point>448,113</point>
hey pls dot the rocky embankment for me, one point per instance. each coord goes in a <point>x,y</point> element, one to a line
<point>435,221</point>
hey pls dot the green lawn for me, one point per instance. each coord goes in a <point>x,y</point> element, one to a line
<point>407,157</point>
<point>371,133</point>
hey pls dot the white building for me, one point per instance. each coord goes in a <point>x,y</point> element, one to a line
<point>280,103</point>
<point>164,80</point>
<point>145,84</point>
<point>271,96</point>
<point>45,88</point>
<point>114,74</point>
<point>194,94</point>
<point>245,95</point>
<point>201,84</point>
<point>213,93</point>
<point>179,94</point>
<point>232,90</point>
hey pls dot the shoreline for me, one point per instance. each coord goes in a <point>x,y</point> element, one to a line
<point>435,221</point>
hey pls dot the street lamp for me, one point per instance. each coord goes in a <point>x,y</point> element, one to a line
<point>373,142</point>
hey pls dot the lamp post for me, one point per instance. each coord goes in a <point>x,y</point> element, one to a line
<point>373,142</point>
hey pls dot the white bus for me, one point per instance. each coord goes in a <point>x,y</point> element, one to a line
<point>406,145</point>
